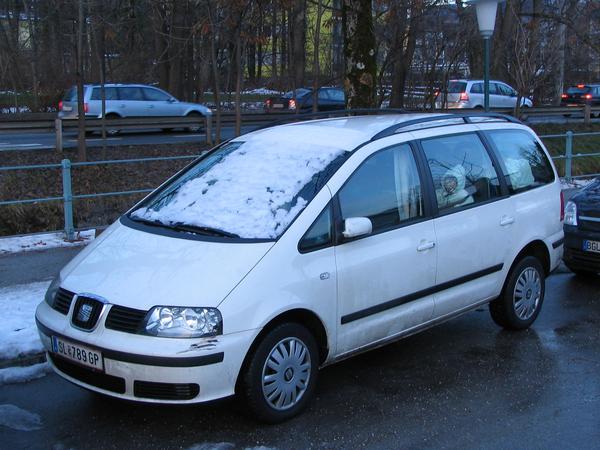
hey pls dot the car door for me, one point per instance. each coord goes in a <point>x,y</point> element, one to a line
<point>159,103</point>
<point>474,222</point>
<point>383,277</point>
<point>509,95</point>
<point>131,102</point>
<point>497,100</point>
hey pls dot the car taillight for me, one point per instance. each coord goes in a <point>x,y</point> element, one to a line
<point>464,97</point>
<point>564,96</point>
<point>588,96</point>
<point>562,206</point>
<point>85,108</point>
<point>292,103</point>
<point>580,86</point>
<point>60,104</point>
<point>268,103</point>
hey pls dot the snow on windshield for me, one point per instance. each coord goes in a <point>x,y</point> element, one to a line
<point>253,190</point>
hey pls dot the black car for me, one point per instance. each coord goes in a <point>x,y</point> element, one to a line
<point>582,231</point>
<point>328,99</point>
<point>582,94</point>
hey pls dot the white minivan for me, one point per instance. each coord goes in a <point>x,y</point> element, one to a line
<point>290,248</point>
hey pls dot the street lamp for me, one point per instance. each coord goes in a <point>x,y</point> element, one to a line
<point>486,19</point>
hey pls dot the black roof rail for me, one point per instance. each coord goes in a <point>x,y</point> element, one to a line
<point>297,117</point>
<point>466,117</point>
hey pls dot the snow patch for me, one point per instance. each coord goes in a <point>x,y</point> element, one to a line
<point>18,334</point>
<point>16,244</point>
<point>575,183</point>
<point>12,416</point>
<point>12,375</point>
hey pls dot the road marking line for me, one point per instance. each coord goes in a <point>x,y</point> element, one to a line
<point>189,135</point>
<point>97,139</point>
<point>21,145</point>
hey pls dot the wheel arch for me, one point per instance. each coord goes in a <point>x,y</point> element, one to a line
<point>538,249</point>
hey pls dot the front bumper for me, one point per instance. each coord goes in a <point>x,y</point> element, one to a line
<point>574,256</point>
<point>156,370</point>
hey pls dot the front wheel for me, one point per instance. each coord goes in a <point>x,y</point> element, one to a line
<point>281,375</point>
<point>521,299</point>
<point>195,128</point>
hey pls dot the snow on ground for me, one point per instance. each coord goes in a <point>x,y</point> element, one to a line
<point>18,334</point>
<point>12,375</point>
<point>19,419</point>
<point>577,183</point>
<point>16,244</point>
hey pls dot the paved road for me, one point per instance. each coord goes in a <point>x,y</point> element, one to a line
<point>464,384</point>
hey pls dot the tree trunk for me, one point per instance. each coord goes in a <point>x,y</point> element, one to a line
<point>297,22</point>
<point>316,64</point>
<point>359,51</point>
<point>81,148</point>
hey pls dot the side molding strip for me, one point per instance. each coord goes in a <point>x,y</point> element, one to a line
<point>419,294</point>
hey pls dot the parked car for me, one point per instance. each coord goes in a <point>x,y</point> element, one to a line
<point>128,100</point>
<point>582,94</point>
<point>470,94</point>
<point>291,248</point>
<point>582,231</point>
<point>328,98</point>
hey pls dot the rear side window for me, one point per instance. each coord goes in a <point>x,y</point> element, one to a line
<point>323,94</point>
<point>131,93</point>
<point>525,164</point>
<point>155,95</point>
<point>462,170</point>
<point>109,92</point>
<point>386,188</point>
<point>477,88</point>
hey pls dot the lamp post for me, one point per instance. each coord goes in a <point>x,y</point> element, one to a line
<point>486,19</point>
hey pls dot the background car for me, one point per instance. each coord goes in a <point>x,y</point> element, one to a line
<point>470,94</point>
<point>129,100</point>
<point>582,231</point>
<point>328,99</point>
<point>582,94</point>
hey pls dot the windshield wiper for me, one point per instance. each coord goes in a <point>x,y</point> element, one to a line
<point>179,226</point>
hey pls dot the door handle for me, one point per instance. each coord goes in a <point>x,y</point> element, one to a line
<point>425,245</point>
<point>506,220</point>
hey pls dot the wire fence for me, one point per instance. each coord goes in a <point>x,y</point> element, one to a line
<point>67,198</point>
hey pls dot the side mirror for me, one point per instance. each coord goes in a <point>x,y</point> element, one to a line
<point>357,226</point>
<point>172,100</point>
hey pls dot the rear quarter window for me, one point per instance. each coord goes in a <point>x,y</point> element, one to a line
<point>456,87</point>
<point>109,92</point>
<point>524,162</point>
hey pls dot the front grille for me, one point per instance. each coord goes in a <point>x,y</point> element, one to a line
<point>165,391</point>
<point>62,301</point>
<point>124,319</point>
<point>86,313</point>
<point>583,260</point>
<point>88,376</point>
<point>589,225</point>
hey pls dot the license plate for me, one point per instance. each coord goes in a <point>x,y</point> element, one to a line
<point>67,108</point>
<point>78,353</point>
<point>591,246</point>
<point>277,105</point>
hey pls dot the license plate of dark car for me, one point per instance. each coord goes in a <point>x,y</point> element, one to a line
<point>591,246</point>
<point>78,353</point>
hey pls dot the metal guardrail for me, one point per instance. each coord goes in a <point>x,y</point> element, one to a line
<point>68,197</point>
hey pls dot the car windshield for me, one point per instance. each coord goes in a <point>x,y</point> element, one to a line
<point>71,95</point>
<point>456,87</point>
<point>251,189</point>
<point>298,93</point>
<point>578,90</point>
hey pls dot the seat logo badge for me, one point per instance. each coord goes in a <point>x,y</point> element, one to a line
<point>84,313</point>
<point>324,276</point>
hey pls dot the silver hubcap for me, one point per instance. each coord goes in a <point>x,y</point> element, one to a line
<point>528,291</point>
<point>286,373</point>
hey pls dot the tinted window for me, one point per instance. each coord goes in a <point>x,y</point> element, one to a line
<point>477,88</point>
<point>109,92</point>
<point>71,95</point>
<point>323,94</point>
<point>456,87</point>
<point>155,95</point>
<point>524,162</point>
<point>337,95</point>
<point>494,89</point>
<point>505,90</point>
<point>131,93</point>
<point>319,234</point>
<point>385,188</point>
<point>578,90</point>
<point>462,170</point>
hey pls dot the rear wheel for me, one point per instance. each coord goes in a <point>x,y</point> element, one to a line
<point>109,130</point>
<point>280,377</point>
<point>521,299</point>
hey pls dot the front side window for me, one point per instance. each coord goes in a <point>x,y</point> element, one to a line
<point>461,169</point>
<point>323,94</point>
<point>155,95</point>
<point>131,93</point>
<point>525,164</point>
<point>337,95</point>
<point>110,93</point>
<point>385,188</point>
<point>252,189</point>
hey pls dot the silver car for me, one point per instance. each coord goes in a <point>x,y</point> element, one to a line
<point>470,94</point>
<point>128,100</point>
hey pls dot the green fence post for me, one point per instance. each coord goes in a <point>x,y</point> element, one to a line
<point>67,199</point>
<point>569,156</point>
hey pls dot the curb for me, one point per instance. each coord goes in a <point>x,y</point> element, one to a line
<point>23,361</point>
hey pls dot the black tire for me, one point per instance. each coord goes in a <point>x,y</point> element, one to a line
<point>251,390</point>
<point>111,131</point>
<point>505,311</point>
<point>197,129</point>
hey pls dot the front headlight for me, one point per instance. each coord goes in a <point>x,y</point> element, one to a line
<point>571,214</point>
<point>183,322</point>
<point>52,290</point>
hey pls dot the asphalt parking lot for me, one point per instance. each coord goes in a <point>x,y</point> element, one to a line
<point>464,384</point>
